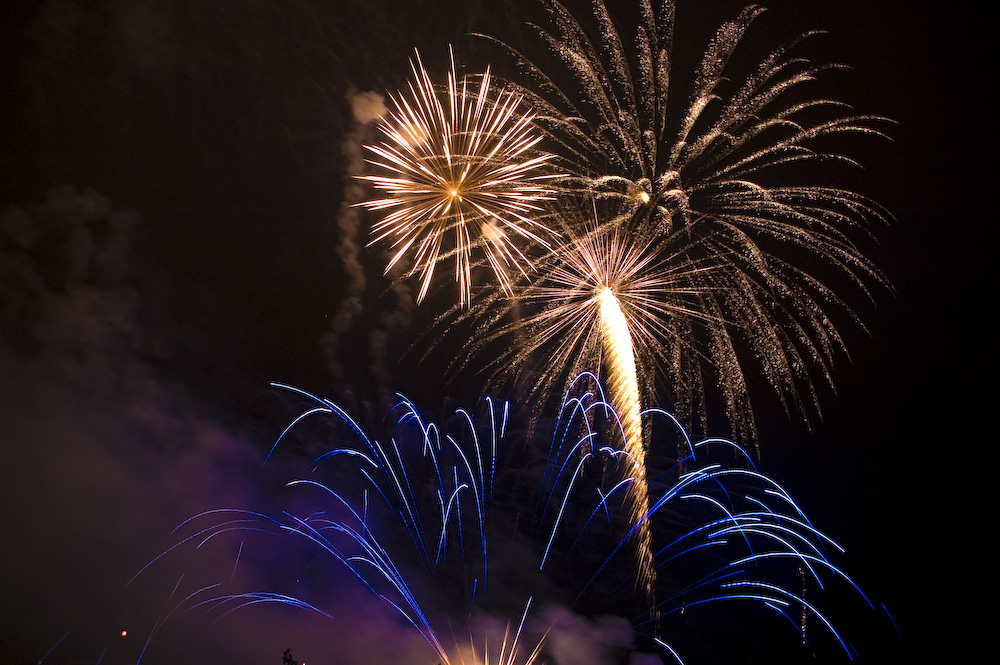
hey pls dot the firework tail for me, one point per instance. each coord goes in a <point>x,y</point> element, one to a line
<point>624,388</point>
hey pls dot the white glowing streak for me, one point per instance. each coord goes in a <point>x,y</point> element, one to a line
<point>624,388</point>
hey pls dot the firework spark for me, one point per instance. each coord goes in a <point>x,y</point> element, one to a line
<point>463,174</point>
<point>430,501</point>
<point>700,182</point>
<point>605,299</point>
<point>740,521</point>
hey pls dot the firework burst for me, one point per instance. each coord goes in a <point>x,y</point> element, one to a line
<point>430,501</point>
<point>700,182</point>
<point>460,172</point>
<point>605,299</point>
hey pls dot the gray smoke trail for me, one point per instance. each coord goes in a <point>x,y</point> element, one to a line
<point>392,321</point>
<point>366,108</point>
<point>574,640</point>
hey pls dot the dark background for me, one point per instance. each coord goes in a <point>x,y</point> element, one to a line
<point>171,174</point>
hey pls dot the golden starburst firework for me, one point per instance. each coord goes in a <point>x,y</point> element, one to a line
<point>463,173</point>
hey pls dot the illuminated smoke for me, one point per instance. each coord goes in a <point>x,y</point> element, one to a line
<point>413,519</point>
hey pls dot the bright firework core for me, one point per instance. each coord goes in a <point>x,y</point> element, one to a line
<point>615,328</point>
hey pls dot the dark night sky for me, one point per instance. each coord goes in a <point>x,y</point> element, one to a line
<point>177,168</point>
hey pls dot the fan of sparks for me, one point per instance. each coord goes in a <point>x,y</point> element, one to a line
<point>413,518</point>
<point>460,172</point>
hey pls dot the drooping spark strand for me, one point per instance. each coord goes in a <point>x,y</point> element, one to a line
<point>747,519</point>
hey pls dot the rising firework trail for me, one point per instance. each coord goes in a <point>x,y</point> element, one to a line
<point>460,172</point>
<point>701,179</point>
<point>616,342</point>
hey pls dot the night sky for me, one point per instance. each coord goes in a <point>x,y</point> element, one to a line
<point>171,176</point>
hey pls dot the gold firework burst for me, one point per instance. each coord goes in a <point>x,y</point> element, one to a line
<point>704,182</point>
<point>462,173</point>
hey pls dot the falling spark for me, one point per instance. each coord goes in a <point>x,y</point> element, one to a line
<point>462,173</point>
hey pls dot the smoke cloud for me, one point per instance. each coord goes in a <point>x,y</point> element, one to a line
<point>575,640</point>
